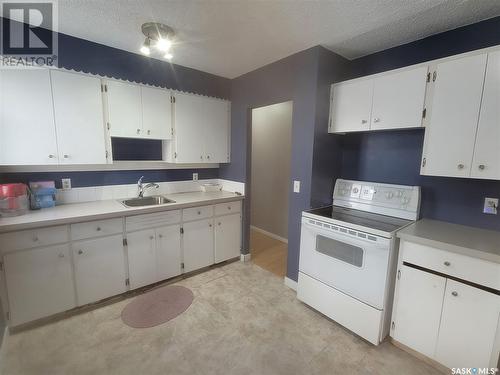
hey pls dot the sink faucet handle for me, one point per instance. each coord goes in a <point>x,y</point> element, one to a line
<point>139,182</point>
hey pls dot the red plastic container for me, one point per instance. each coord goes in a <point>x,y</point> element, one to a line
<point>13,199</point>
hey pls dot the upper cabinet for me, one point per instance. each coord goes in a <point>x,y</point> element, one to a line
<point>79,118</point>
<point>27,129</point>
<point>201,129</point>
<point>486,160</point>
<point>454,108</point>
<point>390,101</point>
<point>138,111</point>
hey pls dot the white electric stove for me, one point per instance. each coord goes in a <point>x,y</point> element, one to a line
<point>348,254</point>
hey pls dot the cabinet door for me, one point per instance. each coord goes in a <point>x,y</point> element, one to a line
<point>351,106</point>
<point>124,109</point>
<point>198,244</point>
<point>216,130</point>
<point>468,326</point>
<point>486,162</point>
<point>79,118</point>
<point>99,268</point>
<point>227,237</point>
<point>141,247</point>
<point>27,131</point>
<point>39,283</point>
<point>156,113</point>
<point>454,114</point>
<point>398,99</point>
<point>168,252</point>
<point>189,123</point>
<point>418,309</point>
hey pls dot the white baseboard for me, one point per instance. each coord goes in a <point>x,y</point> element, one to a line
<point>5,335</point>
<point>292,284</point>
<point>272,235</point>
<point>245,257</point>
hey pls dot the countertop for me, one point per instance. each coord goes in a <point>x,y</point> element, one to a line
<point>78,212</point>
<point>470,241</point>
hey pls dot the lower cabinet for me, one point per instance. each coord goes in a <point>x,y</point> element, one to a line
<point>39,283</point>
<point>198,244</point>
<point>99,268</point>
<point>227,237</point>
<point>153,255</point>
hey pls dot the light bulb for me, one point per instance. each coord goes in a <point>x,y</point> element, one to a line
<point>168,56</point>
<point>163,44</point>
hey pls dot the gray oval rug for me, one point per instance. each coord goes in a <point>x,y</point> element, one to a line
<point>157,306</point>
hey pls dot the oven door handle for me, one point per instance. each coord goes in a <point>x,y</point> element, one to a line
<point>339,236</point>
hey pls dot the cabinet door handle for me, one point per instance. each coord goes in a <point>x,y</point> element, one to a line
<point>149,132</point>
<point>66,156</point>
<point>376,119</point>
<point>208,156</point>
<point>151,237</point>
<point>199,212</point>
<point>160,235</point>
<point>210,225</point>
<point>229,207</point>
<point>447,264</point>
<point>481,167</point>
<point>218,224</point>
<point>51,156</point>
<point>454,294</point>
<point>98,229</point>
<point>201,157</point>
<point>138,131</point>
<point>35,239</point>
<point>364,121</point>
<point>460,166</point>
<point>80,252</point>
<point>61,255</point>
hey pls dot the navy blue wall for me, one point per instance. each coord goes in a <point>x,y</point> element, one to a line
<point>395,157</point>
<point>89,57</point>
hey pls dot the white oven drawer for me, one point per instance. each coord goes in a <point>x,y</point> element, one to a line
<point>461,266</point>
<point>345,262</point>
<point>27,239</point>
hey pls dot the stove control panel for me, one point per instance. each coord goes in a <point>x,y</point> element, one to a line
<point>377,197</point>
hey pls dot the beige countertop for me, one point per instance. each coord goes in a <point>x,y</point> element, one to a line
<point>77,212</point>
<point>470,241</point>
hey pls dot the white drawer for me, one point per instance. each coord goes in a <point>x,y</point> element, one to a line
<point>27,239</point>
<point>227,208</point>
<point>157,219</point>
<point>97,228</point>
<point>461,266</point>
<point>195,213</point>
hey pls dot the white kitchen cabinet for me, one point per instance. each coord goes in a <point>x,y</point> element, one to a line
<point>156,113</point>
<point>27,129</point>
<point>141,247</point>
<point>79,118</point>
<point>351,106</point>
<point>419,298</point>
<point>398,99</point>
<point>469,314</point>
<point>486,161</point>
<point>201,129</point>
<point>153,255</point>
<point>198,244</point>
<point>99,268</point>
<point>453,117</point>
<point>39,283</point>
<point>124,109</point>
<point>168,252</point>
<point>227,237</point>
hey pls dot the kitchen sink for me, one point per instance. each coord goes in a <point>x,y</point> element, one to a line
<point>154,200</point>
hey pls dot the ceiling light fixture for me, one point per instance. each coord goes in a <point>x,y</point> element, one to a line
<point>159,36</point>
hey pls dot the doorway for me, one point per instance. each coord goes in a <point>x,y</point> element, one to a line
<point>270,184</point>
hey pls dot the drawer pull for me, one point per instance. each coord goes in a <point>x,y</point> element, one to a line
<point>160,235</point>
<point>80,252</point>
<point>228,207</point>
<point>35,239</point>
<point>151,237</point>
<point>210,225</point>
<point>199,212</point>
<point>61,255</point>
<point>218,223</point>
<point>454,294</point>
<point>447,264</point>
<point>98,229</point>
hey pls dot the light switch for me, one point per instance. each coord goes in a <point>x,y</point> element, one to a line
<point>66,183</point>
<point>490,206</point>
<point>296,186</point>
<point>195,176</point>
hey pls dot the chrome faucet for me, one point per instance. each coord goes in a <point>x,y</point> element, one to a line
<point>142,188</point>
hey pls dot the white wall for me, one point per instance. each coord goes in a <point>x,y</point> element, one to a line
<point>271,151</point>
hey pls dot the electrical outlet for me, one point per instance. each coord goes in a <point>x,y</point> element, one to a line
<point>66,183</point>
<point>296,186</point>
<point>490,206</point>
<point>195,176</point>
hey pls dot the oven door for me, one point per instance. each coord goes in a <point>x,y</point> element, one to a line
<point>344,260</point>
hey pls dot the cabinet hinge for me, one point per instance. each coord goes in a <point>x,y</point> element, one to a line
<point>172,131</point>
<point>108,126</point>
<point>399,274</point>
<point>393,325</point>
<point>424,161</point>
<point>1,266</point>
<point>429,77</point>
<point>127,282</point>
<point>172,99</point>
<point>102,88</point>
<point>175,155</point>
<point>7,315</point>
<point>107,154</point>
<point>105,88</point>
<point>434,76</point>
<point>182,265</point>
<point>182,230</point>
<point>125,243</point>
<point>424,112</point>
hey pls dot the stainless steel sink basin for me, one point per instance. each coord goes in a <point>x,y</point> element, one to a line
<point>154,200</point>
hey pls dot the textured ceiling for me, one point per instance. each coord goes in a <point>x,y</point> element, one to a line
<point>233,37</point>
